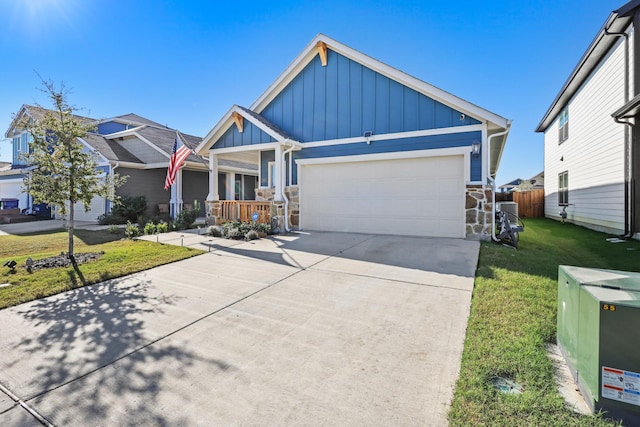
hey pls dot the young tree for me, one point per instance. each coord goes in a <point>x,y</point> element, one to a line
<point>63,173</point>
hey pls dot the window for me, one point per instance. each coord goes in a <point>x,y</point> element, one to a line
<point>272,174</point>
<point>238,187</point>
<point>563,126</point>
<point>21,148</point>
<point>563,188</point>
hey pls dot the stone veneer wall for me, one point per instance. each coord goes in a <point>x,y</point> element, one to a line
<point>293,194</point>
<point>478,212</point>
<point>213,210</point>
<point>277,208</point>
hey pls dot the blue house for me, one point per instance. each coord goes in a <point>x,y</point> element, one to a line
<point>343,142</point>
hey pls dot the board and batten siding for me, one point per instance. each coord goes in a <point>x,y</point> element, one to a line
<point>593,154</point>
<point>344,99</point>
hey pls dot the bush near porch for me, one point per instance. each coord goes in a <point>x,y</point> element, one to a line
<point>513,318</point>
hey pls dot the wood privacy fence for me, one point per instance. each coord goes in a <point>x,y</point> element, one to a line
<point>530,203</point>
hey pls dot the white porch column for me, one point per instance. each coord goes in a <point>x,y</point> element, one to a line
<point>176,195</point>
<point>213,178</point>
<point>485,154</point>
<point>231,186</point>
<point>278,174</point>
<point>174,200</point>
<point>179,185</point>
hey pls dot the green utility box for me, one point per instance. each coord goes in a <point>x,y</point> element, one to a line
<point>599,335</point>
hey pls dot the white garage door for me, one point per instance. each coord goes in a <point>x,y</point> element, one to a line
<point>414,197</point>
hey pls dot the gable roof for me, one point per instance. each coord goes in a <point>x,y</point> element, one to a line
<point>158,136</point>
<point>36,113</point>
<point>311,50</point>
<point>254,113</point>
<point>617,22</point>
<point>112,152</point>
<point>134,119</point>
<point>228,120</point>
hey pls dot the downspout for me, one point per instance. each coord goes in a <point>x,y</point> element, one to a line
<point>493,184</point>
<point>627,141</point>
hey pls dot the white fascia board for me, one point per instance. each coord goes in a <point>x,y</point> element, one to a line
<point>420,86</point>
<point>131,165</point>
<point>86,144</point>
<point>307,54</point>
<point>122,133</point>
<point>150,144</point>
<point>221,127</point>
<point>255,147</point>
<point>203,148</point>
<point>163,165</point>
<point>396,135</point>
<point>278,137</point>
<point>10,133</point>
<point>194,165</point>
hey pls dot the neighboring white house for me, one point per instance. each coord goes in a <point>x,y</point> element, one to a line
<point>590,158</point>
<point>343,142</point>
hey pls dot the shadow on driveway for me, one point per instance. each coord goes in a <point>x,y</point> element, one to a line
<point>97,328</point>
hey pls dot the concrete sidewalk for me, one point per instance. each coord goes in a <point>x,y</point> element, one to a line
<point>313,329</point>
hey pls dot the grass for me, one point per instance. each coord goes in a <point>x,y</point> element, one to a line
<point>513,318</point>
<point>121,257</point>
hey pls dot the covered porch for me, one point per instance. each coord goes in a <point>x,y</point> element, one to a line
<point>251,185</point>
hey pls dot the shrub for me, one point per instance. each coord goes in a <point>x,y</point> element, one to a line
<point>162,227</point>
<point>235,233</point>
<point>110,219</point>
<point>129,207</point>
<point>131,230</point>
<point>143,219</point>
<point>252,235</point>
<point>261,228</point>
<point>187,217</point>
<point>149,228</point>
<point>238,229</point>
<point>114,229</point>
<point>214,231</point>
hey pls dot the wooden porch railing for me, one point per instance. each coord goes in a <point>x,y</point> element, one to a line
<point>244,210</point>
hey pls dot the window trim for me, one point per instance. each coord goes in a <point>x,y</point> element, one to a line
<point>271,166</point>
<point>563,190</point>
<point>563,125</point>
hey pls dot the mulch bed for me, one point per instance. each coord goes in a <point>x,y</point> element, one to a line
<point>63,260</point>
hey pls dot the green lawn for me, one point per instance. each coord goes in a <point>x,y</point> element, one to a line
<point>513,317</point>
<point>121,257</point>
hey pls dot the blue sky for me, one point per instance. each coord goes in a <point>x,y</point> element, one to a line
<point>184,64</point>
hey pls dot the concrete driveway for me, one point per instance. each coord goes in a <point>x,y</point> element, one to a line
<point>305,329</point>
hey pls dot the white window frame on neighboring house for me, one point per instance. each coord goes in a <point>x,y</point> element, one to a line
<point>563,188</point>
<point>563,125</point>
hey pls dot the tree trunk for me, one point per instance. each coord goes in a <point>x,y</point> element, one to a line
<point>71,219</point>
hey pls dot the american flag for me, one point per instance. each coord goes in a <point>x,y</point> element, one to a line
<point>178,156</point>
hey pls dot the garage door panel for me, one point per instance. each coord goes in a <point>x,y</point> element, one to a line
<point>423,196</point>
